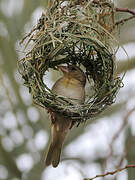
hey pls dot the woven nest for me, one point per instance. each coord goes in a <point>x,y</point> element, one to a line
<point>73,32</point>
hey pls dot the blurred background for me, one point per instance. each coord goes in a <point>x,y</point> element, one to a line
<point>105,144</point>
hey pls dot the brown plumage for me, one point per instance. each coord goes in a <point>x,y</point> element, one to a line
<point>71,85</point>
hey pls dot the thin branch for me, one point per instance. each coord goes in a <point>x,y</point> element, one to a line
<point>125,10</point>
<point>111,172</point>
<point>118,9</point>
<point>123,124</point>
<point>123,66</point>
<point>124,20</point>
<point>125,121</point>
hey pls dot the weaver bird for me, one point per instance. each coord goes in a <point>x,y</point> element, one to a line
<point>71,85</point>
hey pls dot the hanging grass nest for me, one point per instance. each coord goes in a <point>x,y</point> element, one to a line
<point>73,32</point>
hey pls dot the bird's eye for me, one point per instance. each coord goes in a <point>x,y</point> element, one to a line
<point>72,68</point>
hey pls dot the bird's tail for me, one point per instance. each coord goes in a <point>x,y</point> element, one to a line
<point>54,152</point>
<point>59,131</point>
<point>53,155</point>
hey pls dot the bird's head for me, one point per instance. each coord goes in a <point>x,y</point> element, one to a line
<point>73,72</point>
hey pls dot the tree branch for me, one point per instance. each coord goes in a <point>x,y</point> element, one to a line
<point>125,10</point>
<point>123,125</point>
<point>111,172</point>
<point>123,66</point>
<point>124,20</point>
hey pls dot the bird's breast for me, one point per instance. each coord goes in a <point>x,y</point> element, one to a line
<point>69,83</point>
<point>69,88</point>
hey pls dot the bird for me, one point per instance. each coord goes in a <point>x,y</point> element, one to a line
<point>70,85</point>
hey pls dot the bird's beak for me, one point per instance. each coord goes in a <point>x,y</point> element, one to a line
<point>64,69</point>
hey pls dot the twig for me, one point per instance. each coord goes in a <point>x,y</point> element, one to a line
<point>125,120</point>
<point>111,172</point>
<point>124,20</point>
<point>123,124</point>
<point>125,10</point>
<point>118,9</point>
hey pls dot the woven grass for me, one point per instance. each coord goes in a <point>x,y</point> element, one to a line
<point>73,32</point>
